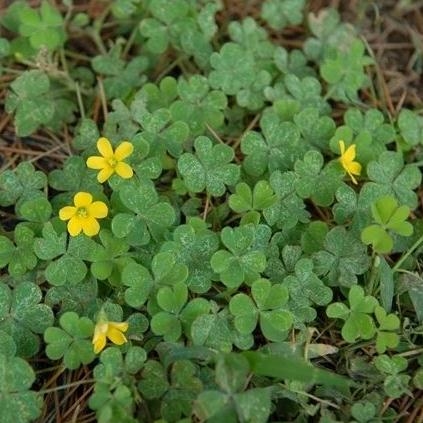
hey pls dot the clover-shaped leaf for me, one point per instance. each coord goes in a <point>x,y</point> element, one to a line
<point>314,128</point>
<point>358,323</point>
<point>73,297</point>
<point>22,316</point>
<point>234,69</point>
<point>289,208</point>
<point>198,106</point>
<point>213,331</point>
<point>74,177</point>
<point>330,34</point>
<point>66,264</point>
<point>17,402</point>
<point>151,217</point>
<point>343,258</point>
<point>161,134</point>
<point>44,27</point>
<point>171,300</point>
<point>19,258</point>
<point>267,308</point>
<point>390,176</point>
<point>185,385</point>
<point>396,383</point>
<point>389,217</point>
<point>210,168</point>
<point>277,148</point>
<point>372,121</point>
<point>245,199</point>
<point>111,396</point>
<point>242,262</point>
<point>158,96</point>
<point>70,341</point>
<point>314,182</point>
<point>121,79</point>
<point>29,100</point>
<point>306,289</point>
<point>194,245</point>
<point>21,184</point>
<point>281,13</point>
<point>163,26</point>
<point>110,260</point>
<point>385,336</point>
<point>345,72</point>
<point>410,126</point>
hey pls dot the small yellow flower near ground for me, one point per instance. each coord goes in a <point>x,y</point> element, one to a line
<point>347,160</point>
<point>110,161</point>
<point>110,330</point>
<point>83,216</point>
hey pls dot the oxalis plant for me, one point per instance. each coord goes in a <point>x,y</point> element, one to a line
<point>215,247</point>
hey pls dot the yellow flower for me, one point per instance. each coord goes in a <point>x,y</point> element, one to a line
<point>110,330</point>
<point>347,160</point>
<point>110,161</point>
<point>83,216</point>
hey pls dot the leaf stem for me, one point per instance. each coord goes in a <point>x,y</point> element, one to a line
<point>407,254</point>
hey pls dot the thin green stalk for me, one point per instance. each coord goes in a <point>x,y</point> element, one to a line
<point>407,254</point>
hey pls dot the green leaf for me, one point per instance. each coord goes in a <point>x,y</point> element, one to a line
<point>410,126</point>
<point>140,283</point>
<point>381,241</point>
<point>35,210</point>
<point>23,317</point>
<point>198,106</point>
<point>30,102</point>
<point>244,199</point>
<point>363,411</point>
<point>314,182</point>
<point>254,405</point>
<point>45,28</point>
<point>289,208</point>
<point>344,257</point>
<point>243,262</point>
<point>152,217</point>
<point>70,342</point>
<point>245,312</point>
<point>281,13</point>
<point>21,184</point>
<point>391,177</point>
<point>282,367</point>
<point>231,372</point>
<point>210,168</point>
<point>17,403</point>
<point>194,245</point>
<point>276,148</point>
<point>153,383</point>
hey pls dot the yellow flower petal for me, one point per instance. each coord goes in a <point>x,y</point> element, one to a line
<point>123,150</point>
<point>90,226</point>
<point>124,170</point>
<point>122,326</point>
<point>116,336</point>
<point>354,168</point>
<point>75,226</point>
<point>99,340</point>
<point>349,154</point>
<point>105,174</point>
<point>96,162</point>
<point>82,199</point>
<point>352,177</point>
<point>98,209</point>
<point>66,213</point>
<point>105,148</point>
<point>342,147</point>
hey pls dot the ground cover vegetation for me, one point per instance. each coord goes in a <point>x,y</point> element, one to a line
<point>215,216</point>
